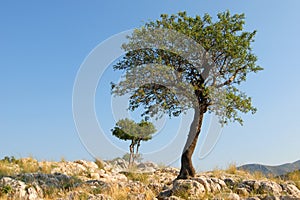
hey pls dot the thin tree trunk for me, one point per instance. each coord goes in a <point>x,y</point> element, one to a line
<point>187,170</point>
<point>137,149</point>
<point>131,149</point>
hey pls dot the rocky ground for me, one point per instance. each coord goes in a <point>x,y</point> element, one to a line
<point>106,180</point>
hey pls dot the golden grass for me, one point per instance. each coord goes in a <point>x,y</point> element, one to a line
<point>295,177</point>
<point>141,177</point>
<point>258,175</point>
<point>99,163</point>
<point>8,168</point>
<point>28,165</point>
<point>217,172</point>
<point>4,197</point>
<point>232,169</point>
<point>121,193</point>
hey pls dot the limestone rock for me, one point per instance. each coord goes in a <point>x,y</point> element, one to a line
<point>19,189</point>
<point>203,181</point>
<point>242,192</point>
<point>252,198</point>
<point>271,197</point>
<point>118,165</point>
<point>174,198</point>
<point>270,187</point>
<point>291,189</point>
<point>233,196</point>
<point>289,198</point>
<point>191,188</point>
<point>147,167</point>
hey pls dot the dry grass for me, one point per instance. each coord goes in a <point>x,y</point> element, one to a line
<point>9,167</point>
<point>99,163</point>
<point>6,169</point>
<point>45,167</point>
<point>4,197</point>
<point>141,177</point>
<point>217,172</point>
<point>232,169</point>
<point>295,177</point>
<point>119,193</point>
<point>28,165</point>
<point>258,175</point>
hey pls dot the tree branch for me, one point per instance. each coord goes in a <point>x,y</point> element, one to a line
<point>231,79</point>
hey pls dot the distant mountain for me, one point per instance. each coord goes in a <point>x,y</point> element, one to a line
<point>274,170</point>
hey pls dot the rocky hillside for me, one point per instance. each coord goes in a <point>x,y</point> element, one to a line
<point>274,170</point>
<point>107,180</point>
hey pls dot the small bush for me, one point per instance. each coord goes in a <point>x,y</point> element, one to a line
<point>141,177</point>
<point>231,169</point>
<point>119,193</point>
<point>7,168</point>
<point>258,175</point>
<point>217,172</point>
<point>11,159</point>
<point>6,189</point>
<point>46,168</point>
<point>295,177</point>
<point>99,163</point>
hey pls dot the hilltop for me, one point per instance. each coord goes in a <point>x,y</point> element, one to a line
<point>27,178</point>
<point>273,170</point>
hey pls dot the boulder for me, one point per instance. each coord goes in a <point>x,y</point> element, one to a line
<point>252,198</point>
<point>147,167</point>
<point>233,196</point>
<point>270,187</point>
<point>271,197</point>
<point>190,188</point>
<point>291,189</point>
<point>242,192</point>
<point>19,189</point>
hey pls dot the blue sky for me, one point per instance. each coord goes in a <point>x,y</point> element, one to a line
<point>43,44</point>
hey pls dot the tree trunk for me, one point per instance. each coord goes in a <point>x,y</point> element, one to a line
<point>187,170</point>
<point>137,149</point>
<point>131,149</point>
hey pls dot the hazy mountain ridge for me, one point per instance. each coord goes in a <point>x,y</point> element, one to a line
<point>273,170</point>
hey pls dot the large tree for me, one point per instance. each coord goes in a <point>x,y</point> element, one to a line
<point>127,129</point>
<point>205,79</point>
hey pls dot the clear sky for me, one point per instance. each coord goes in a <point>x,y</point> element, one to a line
<point>43,44</point>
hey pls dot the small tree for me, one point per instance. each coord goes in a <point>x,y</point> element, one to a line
<point>197,80</point>
<point>127,129</point>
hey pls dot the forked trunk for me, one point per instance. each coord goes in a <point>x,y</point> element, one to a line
<point>131,156</point>
<point>137,149</point>
<point>187,170</point>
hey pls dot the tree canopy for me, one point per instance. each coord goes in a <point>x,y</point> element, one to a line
<point>202,72</point>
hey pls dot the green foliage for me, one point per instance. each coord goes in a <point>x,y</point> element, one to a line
<point>6,189</point>
<point>127,129</point>
<point>10,159</point>
<point>197,85</point>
